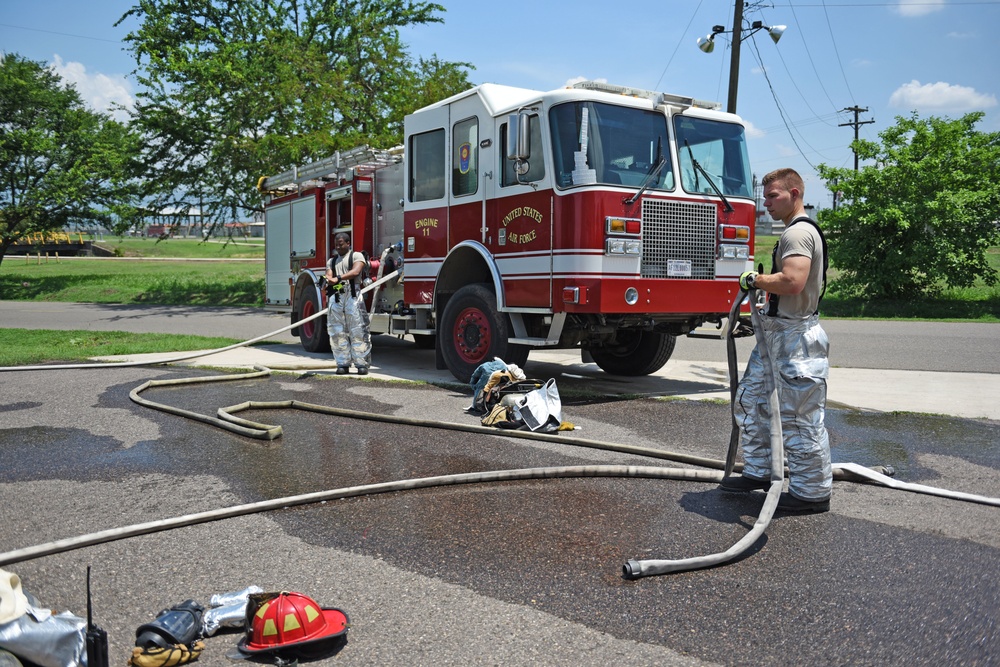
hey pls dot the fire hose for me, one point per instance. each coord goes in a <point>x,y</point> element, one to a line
<point>632,569</point>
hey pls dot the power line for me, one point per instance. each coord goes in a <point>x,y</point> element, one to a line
<point>63,34</point>
<point>796,85</point>
<point>679,42</point>
<point>778,105</point>
<point>812,63</point>
<point>860,5</point>
<point>834,42</point>
<point>826,119</point>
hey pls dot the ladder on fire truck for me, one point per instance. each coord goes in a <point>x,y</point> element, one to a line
<point>363,160</point>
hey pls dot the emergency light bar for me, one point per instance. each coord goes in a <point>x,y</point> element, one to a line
<point>656,98</point>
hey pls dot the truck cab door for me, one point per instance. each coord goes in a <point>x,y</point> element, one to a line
<point>519,219</point>
<point>467,191</point>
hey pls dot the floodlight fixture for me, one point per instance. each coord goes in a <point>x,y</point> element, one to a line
<point>707,45</point>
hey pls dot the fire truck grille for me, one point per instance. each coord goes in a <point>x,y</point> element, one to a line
<point>678,239</point>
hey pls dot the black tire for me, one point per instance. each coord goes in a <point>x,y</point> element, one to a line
<point>473,331</point>
<point>636,353</point>
<point>312,334</point>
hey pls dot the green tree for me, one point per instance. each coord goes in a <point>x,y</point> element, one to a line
<point>59,160</point>
<point>234,90</point>
<point>922,217</point>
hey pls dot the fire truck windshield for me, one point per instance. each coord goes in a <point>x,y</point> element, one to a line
<point>594,142</point>
<point>721,150</point>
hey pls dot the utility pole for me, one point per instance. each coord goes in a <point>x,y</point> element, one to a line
<point>734,62</point>
<point>856,124</point>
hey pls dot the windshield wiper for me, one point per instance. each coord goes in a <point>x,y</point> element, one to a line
<point>654,171</point>
<point>729,207</point>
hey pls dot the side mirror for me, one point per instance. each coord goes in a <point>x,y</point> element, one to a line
<point>519,137</point>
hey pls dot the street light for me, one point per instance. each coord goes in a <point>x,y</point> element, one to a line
<point>707,44</point>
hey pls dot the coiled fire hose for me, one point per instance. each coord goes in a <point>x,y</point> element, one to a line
<point>227,420</point>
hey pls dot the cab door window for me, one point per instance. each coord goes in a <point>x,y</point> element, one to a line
<point>427,166</point>
<point>465,157</point>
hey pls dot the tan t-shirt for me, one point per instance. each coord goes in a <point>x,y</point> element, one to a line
<point>341,265</point>
<point>803,239</point>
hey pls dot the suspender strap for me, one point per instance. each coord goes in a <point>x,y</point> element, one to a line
<point>772,299</point>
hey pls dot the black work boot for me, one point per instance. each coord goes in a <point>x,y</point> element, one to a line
<point>342,370</point>
<point>362,370</point>
<point>793,504</point>
<point>744,484</point>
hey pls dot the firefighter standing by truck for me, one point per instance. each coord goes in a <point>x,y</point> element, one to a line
<point>798,347</point>
<point>347,320</point>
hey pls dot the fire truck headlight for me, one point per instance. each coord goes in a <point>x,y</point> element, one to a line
<point>633,247</point>
<point>734,252</point>
<point>614,247</point>
<point>631,296</point>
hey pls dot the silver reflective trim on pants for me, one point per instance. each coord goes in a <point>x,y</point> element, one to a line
<point>348,326</point>
<point>799,349</point>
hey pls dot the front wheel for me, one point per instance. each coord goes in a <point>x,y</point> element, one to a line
<point>635,353</point>
<point>473,331</point>
<point>313,334</point>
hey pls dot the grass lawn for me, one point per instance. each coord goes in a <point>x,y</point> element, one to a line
<point>126,281</point>
<point>21,347</point>
<point>177,248</point>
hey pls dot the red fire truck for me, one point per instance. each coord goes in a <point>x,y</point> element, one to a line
<point>596,216</point>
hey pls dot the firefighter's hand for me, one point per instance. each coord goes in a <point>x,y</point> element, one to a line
<point>747,280</point>
<point>335,286</point>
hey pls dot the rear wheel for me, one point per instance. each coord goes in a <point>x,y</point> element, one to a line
<point>312,334</point>
<point>473,331</point>
<point>635,353</point>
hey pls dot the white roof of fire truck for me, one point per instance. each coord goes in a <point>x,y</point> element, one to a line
<point>500,99</point>
<point>497,99</point>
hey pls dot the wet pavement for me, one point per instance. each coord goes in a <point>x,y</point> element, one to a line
<point>519,572</point>
<point>525,572</point>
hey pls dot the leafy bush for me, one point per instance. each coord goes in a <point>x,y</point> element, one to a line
<point>922,217</point>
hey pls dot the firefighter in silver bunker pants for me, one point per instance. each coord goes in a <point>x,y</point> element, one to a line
<point>347,323</point>
<point>790,341</point>
<point>347,319</point>
<point>799,348</point>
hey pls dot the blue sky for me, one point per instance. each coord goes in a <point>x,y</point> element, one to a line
<point>935,57</point>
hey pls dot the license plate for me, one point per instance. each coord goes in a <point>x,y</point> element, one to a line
<point>678,268</point>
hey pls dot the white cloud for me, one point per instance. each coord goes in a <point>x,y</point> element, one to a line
<point>919,7</point>
<point>99,91</point>
<point>786,151</point>
<point>940,96</point>
<point>753,132</point>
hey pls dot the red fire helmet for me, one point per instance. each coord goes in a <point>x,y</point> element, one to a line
<point>290,623</point>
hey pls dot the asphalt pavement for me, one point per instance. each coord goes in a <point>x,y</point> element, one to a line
<point>926,367</point>
<point>516,573</point>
